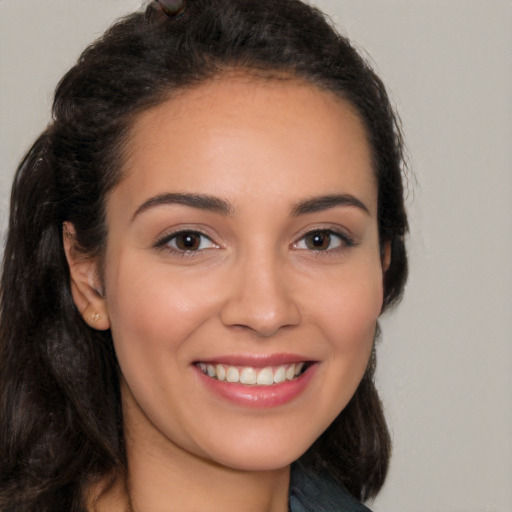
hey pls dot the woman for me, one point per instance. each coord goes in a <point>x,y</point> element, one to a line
<point>200,245</point>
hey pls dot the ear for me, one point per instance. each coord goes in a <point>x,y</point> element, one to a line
<point>385,256</point>
<point>85,282</point>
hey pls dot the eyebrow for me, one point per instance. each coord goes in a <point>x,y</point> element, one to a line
<point>319,204</point>
<point>218,205</point>
<point>200,201</point>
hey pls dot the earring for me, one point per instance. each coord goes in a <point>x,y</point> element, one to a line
<point>95,317</point>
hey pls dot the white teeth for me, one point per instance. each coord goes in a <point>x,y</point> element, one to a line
<point>252,376</point>
<point>221,372</point>
<point>280,375</point>
<point>265,377</point>
<point>290,372</point>
<point>233,375</point>
<point>248,376</point>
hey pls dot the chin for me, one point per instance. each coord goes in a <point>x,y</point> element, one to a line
<point>263,456</point>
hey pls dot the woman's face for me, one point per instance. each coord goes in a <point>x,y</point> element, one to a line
<point>243,276</point>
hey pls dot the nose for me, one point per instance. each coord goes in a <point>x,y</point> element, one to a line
<point>260,298</point>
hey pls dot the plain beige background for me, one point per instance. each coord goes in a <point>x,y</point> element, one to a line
<point>445,363</point>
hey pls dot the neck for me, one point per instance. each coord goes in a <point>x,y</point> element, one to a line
<point>156,488</point>
<point>154,485</point>
<point>163,476</point>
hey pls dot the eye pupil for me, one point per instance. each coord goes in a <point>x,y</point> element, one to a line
<point>318,240</point>
<point>188,241</point>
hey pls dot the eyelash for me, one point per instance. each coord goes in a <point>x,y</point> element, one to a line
<point>344,242</point>
<point>164,243</point>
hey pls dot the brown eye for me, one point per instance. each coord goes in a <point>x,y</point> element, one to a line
<point>323,240</point>
<point>318,240</point>
<point>188,241</point>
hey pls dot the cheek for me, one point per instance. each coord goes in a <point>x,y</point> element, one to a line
<point>350,328</point>
<point>349,305</point>
<point>152,310</point>
<point>346,308</point>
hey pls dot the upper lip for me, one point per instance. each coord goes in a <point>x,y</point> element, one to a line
<point>255,360</point>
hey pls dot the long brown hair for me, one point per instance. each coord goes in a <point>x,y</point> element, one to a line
<point>61,419</point>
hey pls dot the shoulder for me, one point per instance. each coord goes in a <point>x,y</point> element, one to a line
<point>313,493</point>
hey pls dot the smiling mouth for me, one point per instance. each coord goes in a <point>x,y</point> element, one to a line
<point>251,376</point>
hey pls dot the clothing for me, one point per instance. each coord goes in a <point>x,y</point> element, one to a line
<point>311,493</point>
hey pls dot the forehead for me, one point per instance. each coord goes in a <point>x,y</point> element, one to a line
<point>235,136</point>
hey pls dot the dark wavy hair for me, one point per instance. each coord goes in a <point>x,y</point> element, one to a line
<point>61,419</point>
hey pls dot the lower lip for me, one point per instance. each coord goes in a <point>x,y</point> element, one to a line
<point>259,397</point>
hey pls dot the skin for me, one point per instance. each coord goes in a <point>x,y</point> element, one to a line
<point>255,287</point>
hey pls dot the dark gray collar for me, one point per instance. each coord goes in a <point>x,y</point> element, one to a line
<point>312,493</point>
